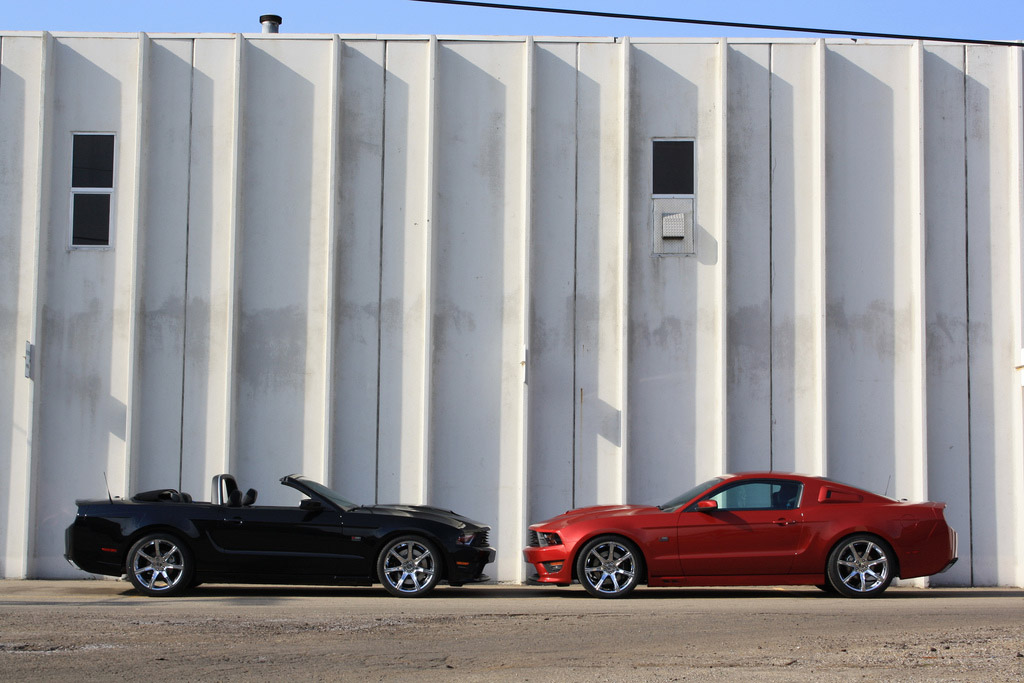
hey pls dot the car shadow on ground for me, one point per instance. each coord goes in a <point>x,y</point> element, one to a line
<point>575,592</point>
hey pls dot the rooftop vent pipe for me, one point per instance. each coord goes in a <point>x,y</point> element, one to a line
<point>271,23</point>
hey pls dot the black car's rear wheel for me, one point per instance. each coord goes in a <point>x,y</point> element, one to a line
<point>609,567</point>
<point>861,566</point>
<point>409,566</point>
<point>160,565</point>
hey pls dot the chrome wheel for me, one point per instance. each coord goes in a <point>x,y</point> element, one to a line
<point>408,567</point>
<point>159,565</point>
<point>609,567</point>
<point>861,566</point>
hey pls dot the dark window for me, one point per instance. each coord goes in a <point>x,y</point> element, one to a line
<point>91,220</point>
<point>93,161</point>
<point>92,184</point>
<point>673,167</point>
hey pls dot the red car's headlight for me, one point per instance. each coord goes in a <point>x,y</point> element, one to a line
<point>545,538</point>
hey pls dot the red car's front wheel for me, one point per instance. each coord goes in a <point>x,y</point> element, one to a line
<point>609,567</point>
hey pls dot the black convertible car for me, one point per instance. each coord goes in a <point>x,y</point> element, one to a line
<point>166,542</point>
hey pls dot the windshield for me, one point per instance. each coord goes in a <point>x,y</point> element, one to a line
<point>691,494</point>
<point>327,493</point>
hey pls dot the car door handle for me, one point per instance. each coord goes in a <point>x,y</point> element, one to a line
<point>782,521</point>
<point>235,520</point>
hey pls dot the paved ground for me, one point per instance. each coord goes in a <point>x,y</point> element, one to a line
<point>93,630</point>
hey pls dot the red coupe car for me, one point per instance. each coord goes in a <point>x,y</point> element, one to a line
<point>754,529</point>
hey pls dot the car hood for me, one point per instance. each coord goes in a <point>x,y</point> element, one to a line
<point>441,515</point>
<point>595,511</point>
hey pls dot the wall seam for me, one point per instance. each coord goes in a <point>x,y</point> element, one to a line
<point>333,228</point>
<point>967,316</point>
<point>184,301</point>
<point>575,273</point>
<point>771,261</point>
<point>380,267</point>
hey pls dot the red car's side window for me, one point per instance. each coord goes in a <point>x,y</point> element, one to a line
<point>759,495</point>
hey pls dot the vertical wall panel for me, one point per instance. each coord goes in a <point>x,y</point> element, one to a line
<point>405,260</point>
<point>284,258</point>
<point>163,234</point>
<point>23,115</point>
<point>868,204</point>
<point>552,458</point>
<point>84,338</point>
<point>599,447</point>
<point>749,251</point>
<point>210,282</point>
<point>797,256</point>
<point>949,474</point>
<point>910,473</point>
<point>993,242</point>
<point>476,375</point>
<point>673,328</point>
<point>361,158</point>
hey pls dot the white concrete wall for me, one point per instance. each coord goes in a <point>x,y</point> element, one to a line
<point>422,270</point>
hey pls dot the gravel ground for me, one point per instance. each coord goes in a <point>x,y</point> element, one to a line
<point>93,630</point>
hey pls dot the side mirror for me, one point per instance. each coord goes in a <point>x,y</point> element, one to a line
<point>311,505</point>
<point>705,505</point>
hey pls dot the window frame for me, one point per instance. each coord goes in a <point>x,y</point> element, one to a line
<point>75,191</point>
<point>693,170</point>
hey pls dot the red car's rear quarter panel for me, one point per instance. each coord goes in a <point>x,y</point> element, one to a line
<point>917,532</point>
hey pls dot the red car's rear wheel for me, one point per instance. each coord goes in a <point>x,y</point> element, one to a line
<point>861,566</point>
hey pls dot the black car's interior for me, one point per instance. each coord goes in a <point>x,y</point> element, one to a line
<point>225,492</point>
<point>159,495</point>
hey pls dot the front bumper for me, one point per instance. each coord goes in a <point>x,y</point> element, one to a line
<point>467,564</point>
<point>551,563</point>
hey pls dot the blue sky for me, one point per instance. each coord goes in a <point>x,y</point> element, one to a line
<point>979,19</point>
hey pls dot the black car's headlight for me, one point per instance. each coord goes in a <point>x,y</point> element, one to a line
<point>466,538</point>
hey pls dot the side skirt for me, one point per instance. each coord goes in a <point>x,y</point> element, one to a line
<point>756,580</point>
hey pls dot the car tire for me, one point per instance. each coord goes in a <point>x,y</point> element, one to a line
<point>409,566</point>
<point>861,566</point>
<point>609,567</point>
<point>160,565</point>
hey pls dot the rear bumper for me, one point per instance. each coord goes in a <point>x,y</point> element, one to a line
<point>90,552</point>
<point>955,549</point>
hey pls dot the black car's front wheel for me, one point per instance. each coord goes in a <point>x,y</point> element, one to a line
<point>861,566</point>
<point>409,566</point>
<point>159,565</point>
<point>609,567</point>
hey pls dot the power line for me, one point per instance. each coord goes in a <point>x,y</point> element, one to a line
<point>731,24</point>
